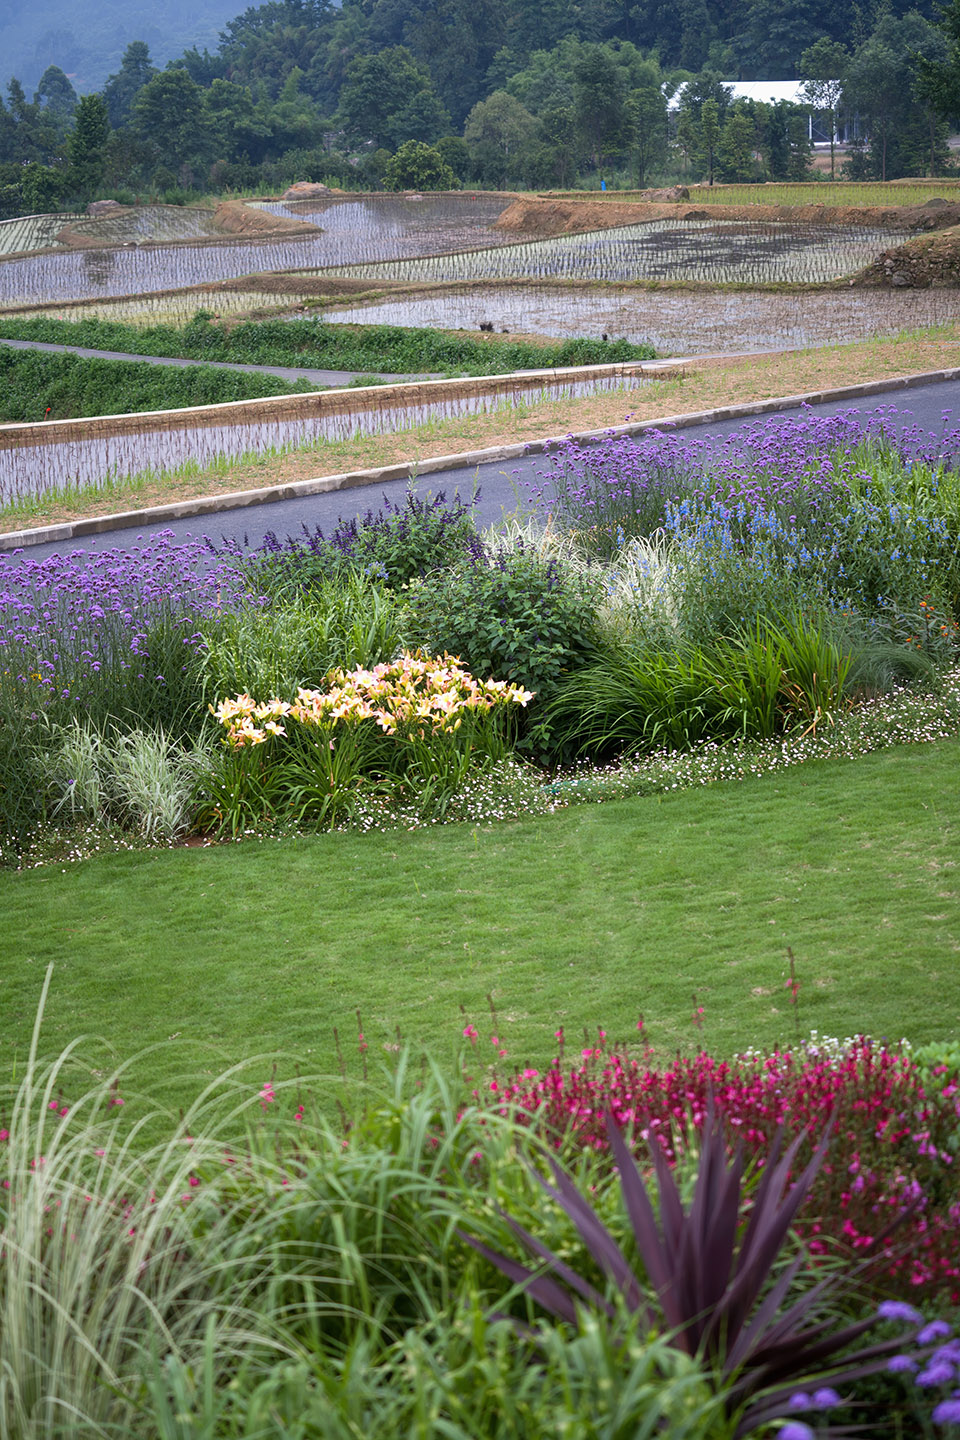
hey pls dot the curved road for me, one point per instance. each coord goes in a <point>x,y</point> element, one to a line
<point>932,407</point>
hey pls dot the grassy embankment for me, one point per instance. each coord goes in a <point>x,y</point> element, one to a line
<point>582,918</point>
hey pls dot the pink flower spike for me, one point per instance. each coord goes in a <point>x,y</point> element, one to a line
<point>194,1180</point>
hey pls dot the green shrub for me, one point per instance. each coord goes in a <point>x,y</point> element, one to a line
<point>646,693</point>
<point>513,616</point>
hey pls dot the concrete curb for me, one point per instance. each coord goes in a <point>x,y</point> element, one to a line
<point>212,505</point>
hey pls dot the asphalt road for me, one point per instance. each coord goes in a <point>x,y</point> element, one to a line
<point>501,487</point>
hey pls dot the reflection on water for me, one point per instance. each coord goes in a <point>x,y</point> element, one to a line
<point>98,266</point>
<point>675,322</point>
<point>354,231</point>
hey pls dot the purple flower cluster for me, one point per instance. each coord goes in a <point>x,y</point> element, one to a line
<point>931,1369</point>
<point>802,471</point>
<point>67,617</point>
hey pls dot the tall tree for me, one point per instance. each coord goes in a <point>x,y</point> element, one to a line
<point>499,131</point>
<point>86,147</point>
<point>823,69</point>
<point>600,101</point>
<point>122,89</point>
<point>168,118</point>
<point>389,98</point>
<point>57,98</point>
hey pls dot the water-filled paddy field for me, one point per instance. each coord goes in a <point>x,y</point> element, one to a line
<point>390,227</point>
<point>367,229</point>
<point>718,252</point>
<point>29,469</point>
<point>676,322</point>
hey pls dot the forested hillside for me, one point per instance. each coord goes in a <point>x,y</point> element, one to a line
<point>502,93</point>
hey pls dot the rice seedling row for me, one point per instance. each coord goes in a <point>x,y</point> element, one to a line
<point>674,322</point>
<point>353,228</point>
<point>149,223</point>
<point>30,471</point>
<point>32,232</point>
<point>174,309</point>
<point>716,252</point>
<point>854,192</point>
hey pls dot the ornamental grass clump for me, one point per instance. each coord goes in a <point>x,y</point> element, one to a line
<point>894,1130</point>
<point>418,725</point>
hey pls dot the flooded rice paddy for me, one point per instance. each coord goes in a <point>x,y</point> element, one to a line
<point>391,227</point>
<point>717,252</point>
<point>681,322</point>
<point>29,471</point>
<point>353,230</point>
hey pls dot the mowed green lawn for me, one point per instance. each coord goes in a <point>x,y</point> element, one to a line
<point>582,919</point>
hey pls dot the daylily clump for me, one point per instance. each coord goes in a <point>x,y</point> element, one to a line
<point>415,694</point>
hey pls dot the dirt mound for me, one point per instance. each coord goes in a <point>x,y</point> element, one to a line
<point>232,217</point>
<point>542,219</point>
<point>306,190</point>
<point>926,260</point>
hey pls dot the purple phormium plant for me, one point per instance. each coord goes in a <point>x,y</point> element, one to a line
<point>710,1276</point>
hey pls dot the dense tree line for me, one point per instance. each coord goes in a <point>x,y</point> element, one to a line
<point>495,92</point>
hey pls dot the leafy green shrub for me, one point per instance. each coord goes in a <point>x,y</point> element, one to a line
<point>646,694</point>
<point>390,349</point>
<point>514,616</point>
<point>35,385</point>
<point>391,546</point>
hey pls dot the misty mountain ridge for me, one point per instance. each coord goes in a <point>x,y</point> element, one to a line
<point>87,38</point>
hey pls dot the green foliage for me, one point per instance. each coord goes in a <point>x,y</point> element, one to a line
<point>513,616</point>
<point>348,622</point>
<point>386,548</point>
<point>37,385</point>
<point>417,166</point>
<point>310,343</point>
<point>645,694</point>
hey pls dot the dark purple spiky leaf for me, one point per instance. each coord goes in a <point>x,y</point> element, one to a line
<point>542,1288</point>
<point>597,1238</point>
<point>560,1268</point>
<point>644,1224</point>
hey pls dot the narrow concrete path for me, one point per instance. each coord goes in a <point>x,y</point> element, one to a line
<point>321,378</point>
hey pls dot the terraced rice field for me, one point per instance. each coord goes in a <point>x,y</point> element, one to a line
<point>676,322</point>
<point>353,229</point>
<point>32,232</point>
<point>710,251</point>
<point>31,470</point>
<point>149,223</point>
<point>175,309</point>
<point>390,227</point>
